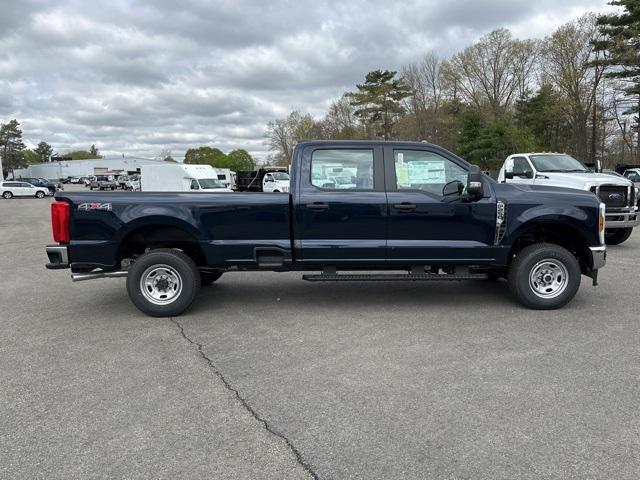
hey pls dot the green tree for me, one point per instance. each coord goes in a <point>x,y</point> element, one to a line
<point>621,43</point>
<point>30,156</point>
<point>94,151</point>
<point>81,155</point>
<point>11,145</point>
<point>205,156</point>
<point>240,159</point>
<point>489,142</point>
<point>378,101</point>
<point>44,151</point>
<point>169,158</point>
<point>541,115</point>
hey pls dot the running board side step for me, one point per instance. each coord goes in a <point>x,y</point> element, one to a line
<point>392,277</point>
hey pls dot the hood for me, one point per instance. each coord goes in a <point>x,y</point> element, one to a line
<point>583,181</point>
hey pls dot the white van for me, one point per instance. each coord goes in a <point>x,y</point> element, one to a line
<point>181,178</point>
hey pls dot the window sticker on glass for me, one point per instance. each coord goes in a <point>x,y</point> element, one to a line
<point>427,172</point>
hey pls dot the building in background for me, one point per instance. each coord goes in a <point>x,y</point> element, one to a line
<point>83,168</point>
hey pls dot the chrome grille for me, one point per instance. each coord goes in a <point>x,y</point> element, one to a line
<point>612,195</point>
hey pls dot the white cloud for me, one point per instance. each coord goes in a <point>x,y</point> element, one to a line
<point>140,76</point>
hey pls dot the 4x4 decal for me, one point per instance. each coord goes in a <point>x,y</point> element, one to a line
<point>85,207</point>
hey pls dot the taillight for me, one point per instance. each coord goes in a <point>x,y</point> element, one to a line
<point>60,221</point>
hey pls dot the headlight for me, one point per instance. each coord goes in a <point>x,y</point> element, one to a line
<point>601,223</point>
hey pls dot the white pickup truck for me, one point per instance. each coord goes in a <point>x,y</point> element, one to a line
<point>560,170</point>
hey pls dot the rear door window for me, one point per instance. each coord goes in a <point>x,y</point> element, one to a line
<point>342,169</point>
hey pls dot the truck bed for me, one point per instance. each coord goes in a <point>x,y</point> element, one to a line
<point>227,227</point>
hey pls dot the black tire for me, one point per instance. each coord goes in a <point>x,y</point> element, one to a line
<point>617,236</point>
<point>207,278</point>
<point>7,195</point>
<point>178,263</point>
<point>554,264</point>
<point>39,194</point>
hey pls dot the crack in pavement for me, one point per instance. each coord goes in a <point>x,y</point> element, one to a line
<point>244,402</point>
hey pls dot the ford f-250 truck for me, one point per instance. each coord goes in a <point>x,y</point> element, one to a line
<point>414,211</point>
<point>561,170</point>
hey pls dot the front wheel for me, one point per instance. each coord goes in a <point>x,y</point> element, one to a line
<point>39,194</point>
<point>163,282</point>
<point>544,276</point>
<point>7,195</point>
<point>617,236</point>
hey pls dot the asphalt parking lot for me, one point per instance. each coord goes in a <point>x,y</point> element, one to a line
<point>268,376</point>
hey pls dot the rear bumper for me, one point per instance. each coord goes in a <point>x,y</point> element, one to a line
<point>58,257</point>
<point>598,257</point>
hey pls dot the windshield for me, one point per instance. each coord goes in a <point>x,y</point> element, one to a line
<point>210,183</point>
<point>280,176</point>
<point>557,163</point>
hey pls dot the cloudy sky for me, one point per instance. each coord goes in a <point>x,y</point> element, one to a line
<point>140,76</point>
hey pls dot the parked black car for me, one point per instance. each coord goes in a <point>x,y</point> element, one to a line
<point>41,182</point>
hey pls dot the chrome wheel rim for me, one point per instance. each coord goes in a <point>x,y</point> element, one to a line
<point>548,278</point>
<point>161,284</point>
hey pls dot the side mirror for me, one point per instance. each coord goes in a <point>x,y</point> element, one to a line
<point>456,187</point>
<point>508,174</point>
<point>475,188</point>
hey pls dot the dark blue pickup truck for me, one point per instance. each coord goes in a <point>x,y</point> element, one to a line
<point>384,211</point>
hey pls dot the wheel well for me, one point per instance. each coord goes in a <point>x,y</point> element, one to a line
<point>564,235</point>
<point>152,237</point>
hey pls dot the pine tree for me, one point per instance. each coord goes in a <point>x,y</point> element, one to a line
<point>94,152</point>
<point>378,101</point>
<point>44,151</point>
<point>11,145</point>
<point>621,43</point>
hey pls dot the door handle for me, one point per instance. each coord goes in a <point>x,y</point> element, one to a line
<point>405,206</point>
<point>317,206</point>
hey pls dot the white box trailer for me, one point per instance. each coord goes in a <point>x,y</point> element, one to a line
<point>175,177</point>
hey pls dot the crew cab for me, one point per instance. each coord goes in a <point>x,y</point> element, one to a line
<point>413,212</point>
<point>560,170</point>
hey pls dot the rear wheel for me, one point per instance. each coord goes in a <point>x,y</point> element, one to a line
<point>39,194</point>
<point>617,236</point>
<point>544,276</point>
<point>163,282</point>
<point>7,195</point>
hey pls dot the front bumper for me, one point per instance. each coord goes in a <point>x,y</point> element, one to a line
<point>58,257</point>
<point>598,257</point>
<point>621,217</point>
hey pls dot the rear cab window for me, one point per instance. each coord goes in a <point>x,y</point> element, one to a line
<point>342,169</point>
